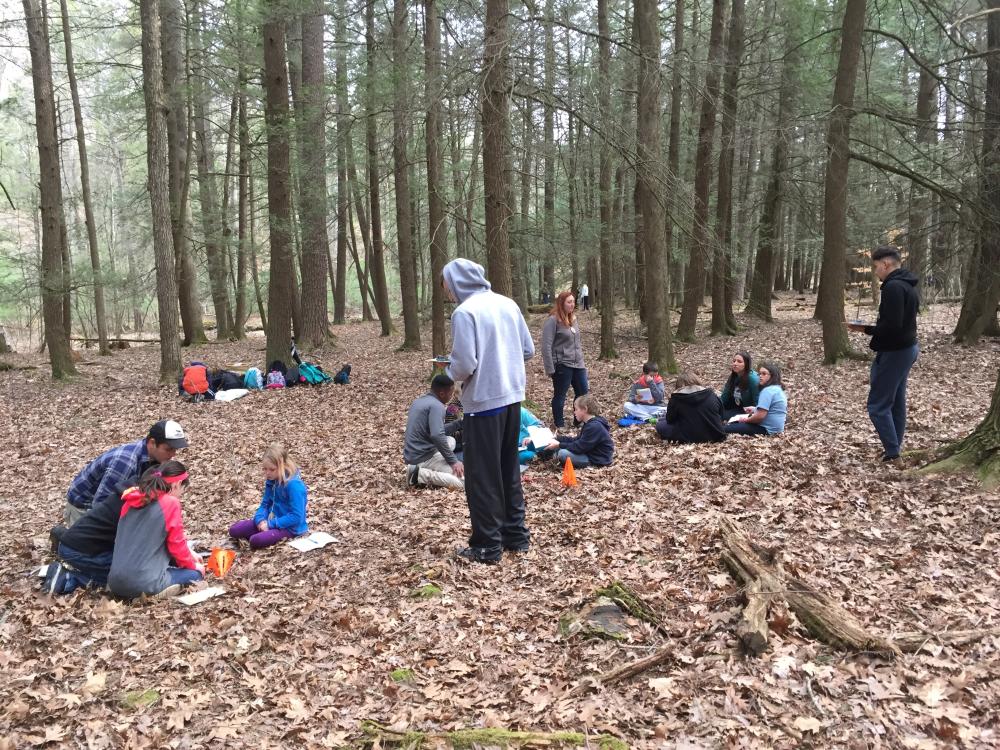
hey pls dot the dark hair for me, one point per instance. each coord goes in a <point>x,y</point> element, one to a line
<point>886,251</point>
<point>649,367</point>
<point>441,381</point>
<point>775,369</point>
<point>744,379</point>
<point>152,483</point>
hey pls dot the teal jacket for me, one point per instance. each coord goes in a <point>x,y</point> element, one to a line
<point>747,398</point>
<point>527,420</point>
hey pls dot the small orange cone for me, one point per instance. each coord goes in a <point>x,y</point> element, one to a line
<point>569,475</point>
<point>220,561</point>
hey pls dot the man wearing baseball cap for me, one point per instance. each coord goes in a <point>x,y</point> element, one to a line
<point>108,475</point>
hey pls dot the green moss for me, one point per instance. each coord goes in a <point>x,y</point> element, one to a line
<point>403,674</point>
<point>427,591</point>
<point>140,698</point>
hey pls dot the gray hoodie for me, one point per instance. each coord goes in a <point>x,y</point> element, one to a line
<point>490,340</point>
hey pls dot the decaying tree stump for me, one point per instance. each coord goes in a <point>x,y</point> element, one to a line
<point>826,620</point>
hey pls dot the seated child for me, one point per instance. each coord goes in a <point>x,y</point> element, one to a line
<point>526,453</point>
<point>742,388</point>
<point>694,413</point>
<point>85,550</point>
<point>282,511</point>
<point>593,446</point>
<point>652,405</point>
<point>429,443</point>
<point>768,416</point>
<point>151,552</point>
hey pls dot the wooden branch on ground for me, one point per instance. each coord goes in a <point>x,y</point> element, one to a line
<point>113,340</point>
<point>752,628</point>
<point>913,641</point>
<point>826,620</point>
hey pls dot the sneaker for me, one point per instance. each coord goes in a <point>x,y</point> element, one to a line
<point>413,475</point>
<point>886,459</point>
<point>169,592</point>
<point>474,554</point>
<point>519,548</point>
<point>56,579</point>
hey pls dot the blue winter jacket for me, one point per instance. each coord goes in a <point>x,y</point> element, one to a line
<point>594,442</point>
<point>284,505</point>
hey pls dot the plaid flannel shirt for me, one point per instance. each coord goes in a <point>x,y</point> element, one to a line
<point>108,475</point>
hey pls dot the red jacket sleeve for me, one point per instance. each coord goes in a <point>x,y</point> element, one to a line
<point>177,544</point>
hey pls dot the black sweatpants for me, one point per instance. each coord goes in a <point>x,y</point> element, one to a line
<point>493,481</point>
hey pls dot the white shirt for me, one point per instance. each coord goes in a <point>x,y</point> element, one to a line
<point>584,291</point>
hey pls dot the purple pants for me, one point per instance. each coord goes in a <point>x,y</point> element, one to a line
<point>258,539</point>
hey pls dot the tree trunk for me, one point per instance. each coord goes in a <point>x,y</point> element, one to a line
<point>404,220</point>
<point>673,145</point>
<point>917,234</point>
<point>88,201</point>
<point>243,203</point>
<point>207,190</point>
<point>159,190</point>
<point>549,154</point>
<point>979,307</point>
<point>607,301</point>
<point>312,180</point>
<point>53,276</point>
<point>435,167</point>
<point>496,144</point>
<point>377,265</point>
<point>253,248</point>
<point>173,25</point>
<point>830,301</point>
<point>694,287</point>
<point>723,322</point>
<point>648,196</point>
<point>343,195</point>
<point>276,118</point>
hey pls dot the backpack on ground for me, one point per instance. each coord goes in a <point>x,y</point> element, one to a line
<point>344,376</point>
<point>224,380</point>
<point>312,374</point>
<point>195,380</point>
<point>275,380</point>
<point>253,379</point>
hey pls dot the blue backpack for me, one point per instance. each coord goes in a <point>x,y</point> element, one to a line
<point>312,374</point>
<point>253,379</point>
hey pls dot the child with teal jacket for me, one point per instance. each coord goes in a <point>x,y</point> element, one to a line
<point>282,511</point>
<point>742,389</point>
<point>525,454</point>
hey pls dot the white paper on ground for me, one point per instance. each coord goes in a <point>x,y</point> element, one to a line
<point>197,597</point>
<point>314,541</point>
<point>539,436</point>
<point>231,395</point>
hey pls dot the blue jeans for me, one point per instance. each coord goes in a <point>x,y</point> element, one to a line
<point>562,378</point>
<point>87,570</point>
<point>183,576</point>
<point>887,396</point>
<point>580,461</point>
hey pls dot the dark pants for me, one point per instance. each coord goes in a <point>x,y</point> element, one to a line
<point>87,570</point>
<point>586,302</point>
<point>562,378</point>
<point>745,428</point>
<point>493,482</point>
<point>887,396</point>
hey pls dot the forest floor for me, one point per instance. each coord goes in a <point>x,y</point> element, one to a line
<point>304,647</point>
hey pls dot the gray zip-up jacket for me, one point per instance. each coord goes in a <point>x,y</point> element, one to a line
<point>561,345</point>
<point>490,340</point>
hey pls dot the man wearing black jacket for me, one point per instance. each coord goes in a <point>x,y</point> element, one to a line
<point>894,339</point>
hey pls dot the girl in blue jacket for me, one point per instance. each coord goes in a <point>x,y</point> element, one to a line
<point>282,511</point>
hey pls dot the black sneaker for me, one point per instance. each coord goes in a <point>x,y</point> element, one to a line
<point>56,578</point>
<point>413,475</point>
<point>886,459</point>
<point>474,554</point>
<point>518,548</point>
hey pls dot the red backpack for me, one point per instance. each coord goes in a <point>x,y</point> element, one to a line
<point>195,380</point>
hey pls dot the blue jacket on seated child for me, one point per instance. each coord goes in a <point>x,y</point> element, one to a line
<point>594,442</point>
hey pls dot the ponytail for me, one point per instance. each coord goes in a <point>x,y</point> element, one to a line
<point>156,480</point>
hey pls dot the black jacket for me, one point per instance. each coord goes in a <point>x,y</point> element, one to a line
<point>696,415</point>
<point>94,534</point>
<point>594,442</point>
<point>896,327</point>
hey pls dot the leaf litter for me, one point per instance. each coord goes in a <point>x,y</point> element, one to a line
<point>307,650</point>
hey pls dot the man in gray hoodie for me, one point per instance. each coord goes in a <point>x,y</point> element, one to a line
<point>490,342</point>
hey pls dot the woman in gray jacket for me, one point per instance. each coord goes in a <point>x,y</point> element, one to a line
<point>562,354</point>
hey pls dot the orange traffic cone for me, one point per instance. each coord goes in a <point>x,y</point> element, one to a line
<point>220,561</point>
<point>569,475</point>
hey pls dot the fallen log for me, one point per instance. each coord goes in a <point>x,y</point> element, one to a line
<point>752,629</point>
<point>825,620</point>
<point>912,641</point>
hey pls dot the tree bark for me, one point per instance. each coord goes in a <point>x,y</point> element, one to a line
<point>647,189</point>
<point>53,275</point>
<point>88,201</point>
<point>549,154</point>
<point>694,287</point>
<point>174,52</point>
<point>276,118</point>
<point>435,168</point>
<point>159,190</point>
<point>607,301</point>
<point>404,220</point>
<point>723,322</point>
<point>312,180</point>
<point>377,265</point>
<point>673,145</point>
<point>830,300</point>
<point>917,234</point>
<point>343,194</point>
<point>243,207</point>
